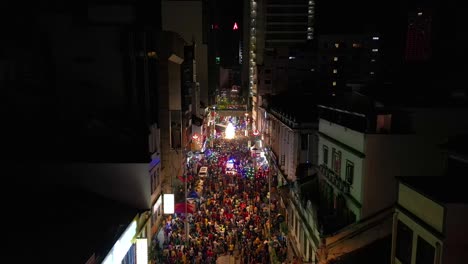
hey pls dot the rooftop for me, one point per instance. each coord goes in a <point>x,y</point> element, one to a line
<point>376,252</point>
<point>301,107</point>
<point>438,188</point>
<point>353,102</point>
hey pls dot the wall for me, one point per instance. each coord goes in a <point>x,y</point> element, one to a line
<point>87,61</point>
<point>357,186</point>
<point>431,212</point>
<point>456,232</point>
<point>342,134</point>
<point>128,183</point>
<point>388,156</point>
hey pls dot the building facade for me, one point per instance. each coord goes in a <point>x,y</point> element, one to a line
<point>427,223</point>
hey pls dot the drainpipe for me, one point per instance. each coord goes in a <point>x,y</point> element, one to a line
<point>438,252</point>
<point>394,234</point>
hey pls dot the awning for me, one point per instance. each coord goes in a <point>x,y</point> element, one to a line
<point>180,208</point>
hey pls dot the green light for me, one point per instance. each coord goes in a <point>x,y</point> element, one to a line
<point>218,60</point>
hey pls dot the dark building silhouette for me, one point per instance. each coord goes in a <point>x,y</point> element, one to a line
<point>418,37</point>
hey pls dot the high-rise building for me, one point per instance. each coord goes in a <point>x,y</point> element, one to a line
<point>347,59</point>
<point>288,22</point>
<point>419,37</point>
<point>274,24</point>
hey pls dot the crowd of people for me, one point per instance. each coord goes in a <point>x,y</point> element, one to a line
<point>232,211</point>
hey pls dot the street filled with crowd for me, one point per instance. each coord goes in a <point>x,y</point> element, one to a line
<point>227,212</point>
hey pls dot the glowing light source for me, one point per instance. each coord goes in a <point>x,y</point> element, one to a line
<point>142,250</point>
<point>230,132</point>
<point>168,200</point>
<point>122,245</point>
<point>235,27</point>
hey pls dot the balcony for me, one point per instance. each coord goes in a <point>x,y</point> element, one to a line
<point>334,179</point>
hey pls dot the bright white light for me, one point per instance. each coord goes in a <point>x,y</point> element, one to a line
<point>121,246</point>
<point>230,132</point>
<point>142,250</point>
<point>168,200</point>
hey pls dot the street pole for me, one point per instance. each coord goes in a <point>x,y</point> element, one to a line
<point>186,218</point>
<point>269,207</point>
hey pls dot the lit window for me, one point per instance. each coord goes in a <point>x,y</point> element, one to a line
<point>334,83</point>
<point>309,37</point>
<point>335,71</point>
<point>335,58</point>
<point>356,45</point>
<point>292,57</point>
<point>375,50</point>
<point>373,60</point>
<point>337,45</point>
<point>419,13</point>
<point>309,29</point>
<point>311,3</point>
<point>375,38</point>
<point>371,73</point>
<point>152,54</point>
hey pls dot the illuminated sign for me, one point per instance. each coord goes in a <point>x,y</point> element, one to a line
<point>142,250</point>
<point>235,27</point>
<point>168,203</point>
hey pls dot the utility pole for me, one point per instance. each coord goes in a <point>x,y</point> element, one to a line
<point>186,216</point>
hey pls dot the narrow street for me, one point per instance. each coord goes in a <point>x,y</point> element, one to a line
<point>228,211</point>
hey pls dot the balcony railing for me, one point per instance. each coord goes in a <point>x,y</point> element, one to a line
<point>334,179</point>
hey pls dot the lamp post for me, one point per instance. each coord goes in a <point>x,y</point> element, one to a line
<point>186,217</point>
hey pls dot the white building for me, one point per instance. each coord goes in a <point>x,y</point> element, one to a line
<point>429,221</point>
<point>361,148</point>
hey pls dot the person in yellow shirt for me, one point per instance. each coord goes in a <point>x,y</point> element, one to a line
<point>231,249</point>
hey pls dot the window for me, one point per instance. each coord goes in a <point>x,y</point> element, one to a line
<point>425,252</point>
<point>336,161</point>
<point>404,243</point>
<point>334,83</point>
<point>335,71</point>
<point>304,141</point>
<point>335,58</point>
<point>337,45</point>
<point>349,172</point>
<point>356,45</point>
<point>325,154</point>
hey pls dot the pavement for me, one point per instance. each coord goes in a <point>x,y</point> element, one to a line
<point>228,259</point>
